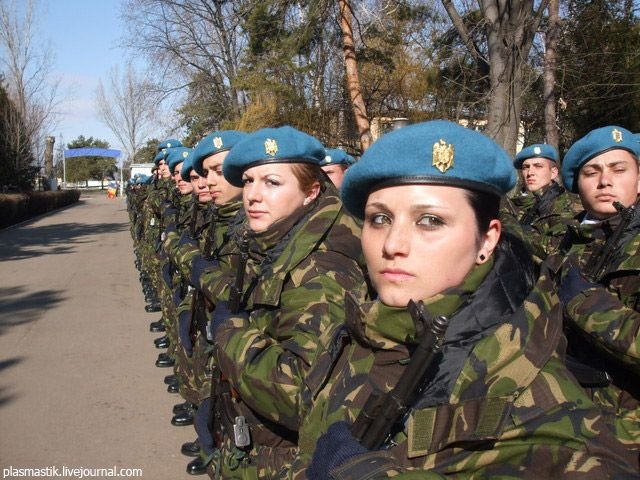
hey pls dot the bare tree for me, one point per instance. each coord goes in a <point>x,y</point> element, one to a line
<point>128,108</point>
<point>509,29</point>
<point>188,42</point>
<point>27,68</point>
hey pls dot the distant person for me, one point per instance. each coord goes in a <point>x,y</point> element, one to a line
<point>335,164</point>
<point>539,211</point>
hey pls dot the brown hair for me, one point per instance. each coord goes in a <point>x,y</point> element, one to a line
<point>307,174</point>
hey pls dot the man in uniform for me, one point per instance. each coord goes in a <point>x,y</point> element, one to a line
<point>541,210</point>
<point>597,272</point>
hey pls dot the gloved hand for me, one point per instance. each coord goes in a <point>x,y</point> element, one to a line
<point>332,450</point>
<point>572,284</point>
<point>221,313</point>
<point>186,238</point>
<point>198,266</point>
<point>167,274</point>
<point>184,331</point>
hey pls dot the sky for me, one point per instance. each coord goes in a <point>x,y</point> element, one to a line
<point>84,37</point>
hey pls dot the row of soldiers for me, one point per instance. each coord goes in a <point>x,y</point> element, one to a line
<point>293,330</point>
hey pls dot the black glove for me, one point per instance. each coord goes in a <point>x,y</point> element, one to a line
<point>332,450</point>
<point>198,266</point>
<point>184,331</point>
<point>572,284</point>
<point>221,313</point>
<point>186,238</point>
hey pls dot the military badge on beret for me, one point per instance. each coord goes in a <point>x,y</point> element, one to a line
<point>270,147</point>
<point>537,150</point>
<point>616,135</point>
<point>217,142</point>
<point>442,155</point>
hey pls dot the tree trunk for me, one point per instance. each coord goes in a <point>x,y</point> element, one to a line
<point>353,80</point>
<point>552,135</point>
<point>510,30</point>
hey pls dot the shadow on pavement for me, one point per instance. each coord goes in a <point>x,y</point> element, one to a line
<point>4,364</point>
<point>50,239</point>
<point>17,308</point>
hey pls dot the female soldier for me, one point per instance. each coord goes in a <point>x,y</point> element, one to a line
<point>497,400</point>
<point>303,253</point>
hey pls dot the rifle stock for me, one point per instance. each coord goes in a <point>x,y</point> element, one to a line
<point>235,296</point>
<point>382,412</point>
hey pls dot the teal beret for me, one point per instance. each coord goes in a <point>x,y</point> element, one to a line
<point>213,143</point>
<point>271,145</point>
<point>535,151</point>
<point>175,155</point>
<point>161,155</point>
<point>437,152</point>
<point>187,166</point>
<point>337,156</point>
<point>168,143</point>
<point>595,143</point>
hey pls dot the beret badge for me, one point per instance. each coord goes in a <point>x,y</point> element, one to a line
<point>537,150</point>
<point>271,147</point>
<point>442,155</point>
<point>217,142</point>
<point>616,135</point>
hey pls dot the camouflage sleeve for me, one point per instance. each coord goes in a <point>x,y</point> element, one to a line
<point>271,357</point>
<point>614,325</point>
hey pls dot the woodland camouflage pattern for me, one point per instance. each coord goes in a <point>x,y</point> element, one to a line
<point>604,321</point>
<point>545,214</point>
<point>511,410</point>
<point>278,357</point>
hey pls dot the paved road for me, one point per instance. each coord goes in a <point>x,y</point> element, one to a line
<point>78,384</point>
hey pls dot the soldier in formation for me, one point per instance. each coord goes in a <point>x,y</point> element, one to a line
<point>597,273</point>
<point>539,212</point>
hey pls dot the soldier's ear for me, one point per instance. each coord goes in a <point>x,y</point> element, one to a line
<point>489,241</point>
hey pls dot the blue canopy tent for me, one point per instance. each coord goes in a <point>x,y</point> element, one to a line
<point>90,152</point>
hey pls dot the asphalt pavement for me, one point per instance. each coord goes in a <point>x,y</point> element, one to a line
<point>79,388</point>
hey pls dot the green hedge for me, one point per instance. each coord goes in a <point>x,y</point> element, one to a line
<point>17,207</point>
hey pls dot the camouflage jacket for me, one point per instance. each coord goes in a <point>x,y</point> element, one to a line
<point>205,254</point>
<point>498,401</point>
<point>540,218</point>
<point>152,211</point>
<point>278,356</point>
<point>603,322</point>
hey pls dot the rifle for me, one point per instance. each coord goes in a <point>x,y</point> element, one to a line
<point>235,297</point>
<point>210,241</point>
<point>600,260</point>
<point>381,412</point>
<point>194,216</point>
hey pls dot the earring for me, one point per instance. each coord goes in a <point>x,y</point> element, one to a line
<point>482,257</point>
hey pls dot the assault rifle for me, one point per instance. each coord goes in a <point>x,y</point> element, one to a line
<point>600,260</point>
<point>382,412</point>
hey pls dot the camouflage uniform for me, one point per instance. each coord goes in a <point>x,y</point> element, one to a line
<point>200,220</point>
<point>152,220</point>
<point>603,320</point>
<point>498,401</point>
<point>277,356</point>
<point>539,218</point>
